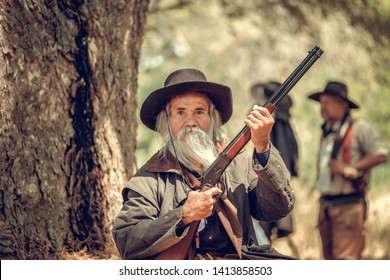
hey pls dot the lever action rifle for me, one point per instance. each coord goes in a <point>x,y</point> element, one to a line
<point>211,177</point>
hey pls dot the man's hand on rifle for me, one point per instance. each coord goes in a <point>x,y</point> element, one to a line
<point>199,205</point>
<point>260,122</point>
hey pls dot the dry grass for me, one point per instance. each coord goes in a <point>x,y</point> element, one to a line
<point>111,253</point>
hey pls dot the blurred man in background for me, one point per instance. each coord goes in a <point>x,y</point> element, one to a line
<point>349,149</point>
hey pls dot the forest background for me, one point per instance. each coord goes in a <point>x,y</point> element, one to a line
<point>239,43</point>
<point>74,73</point>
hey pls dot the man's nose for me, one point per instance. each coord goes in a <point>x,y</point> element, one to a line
<point>191,122</point>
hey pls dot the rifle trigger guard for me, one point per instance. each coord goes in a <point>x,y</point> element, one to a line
<point>221,185</point>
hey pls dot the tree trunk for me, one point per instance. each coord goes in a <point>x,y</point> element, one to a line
<point>67,122</point>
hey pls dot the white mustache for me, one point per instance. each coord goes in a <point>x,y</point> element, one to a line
<point>190,131</point>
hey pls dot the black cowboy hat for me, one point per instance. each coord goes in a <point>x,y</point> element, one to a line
<point>335,89</point>
<point>264,90</point>
<point>261,92</point>
<point>182,81</point>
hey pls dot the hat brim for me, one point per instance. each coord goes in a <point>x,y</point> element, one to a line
<point>220,95</point>
<point>316,96</point>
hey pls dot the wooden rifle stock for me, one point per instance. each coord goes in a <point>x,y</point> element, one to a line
<point>180,251</point>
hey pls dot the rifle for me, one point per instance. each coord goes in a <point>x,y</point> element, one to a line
<point>211,177</point>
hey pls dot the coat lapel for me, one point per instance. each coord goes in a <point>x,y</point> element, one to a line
<point>227,213</point>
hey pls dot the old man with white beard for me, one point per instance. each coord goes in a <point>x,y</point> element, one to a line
<point>163,198</point>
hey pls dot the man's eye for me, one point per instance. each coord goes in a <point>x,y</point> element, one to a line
<point>199,112</point>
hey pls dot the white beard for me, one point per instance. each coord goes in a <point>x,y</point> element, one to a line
<point>195,149</point>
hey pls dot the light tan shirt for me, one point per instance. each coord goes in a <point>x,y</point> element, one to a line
<point>365,141</point>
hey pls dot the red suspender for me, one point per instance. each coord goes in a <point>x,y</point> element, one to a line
<point>347,144</point>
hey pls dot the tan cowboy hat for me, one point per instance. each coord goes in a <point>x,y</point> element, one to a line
<point>335,89</point>
<point>182,81</point>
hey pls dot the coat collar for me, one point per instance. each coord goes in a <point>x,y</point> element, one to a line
<point>157,163</point>
<point>169,164</point>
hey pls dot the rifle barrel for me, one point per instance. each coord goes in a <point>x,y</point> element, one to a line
<point>214,172</point>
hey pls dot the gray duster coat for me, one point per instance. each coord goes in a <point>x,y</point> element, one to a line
<point>153,198</point>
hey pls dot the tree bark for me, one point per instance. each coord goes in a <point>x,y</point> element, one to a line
<point>68,122</point>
